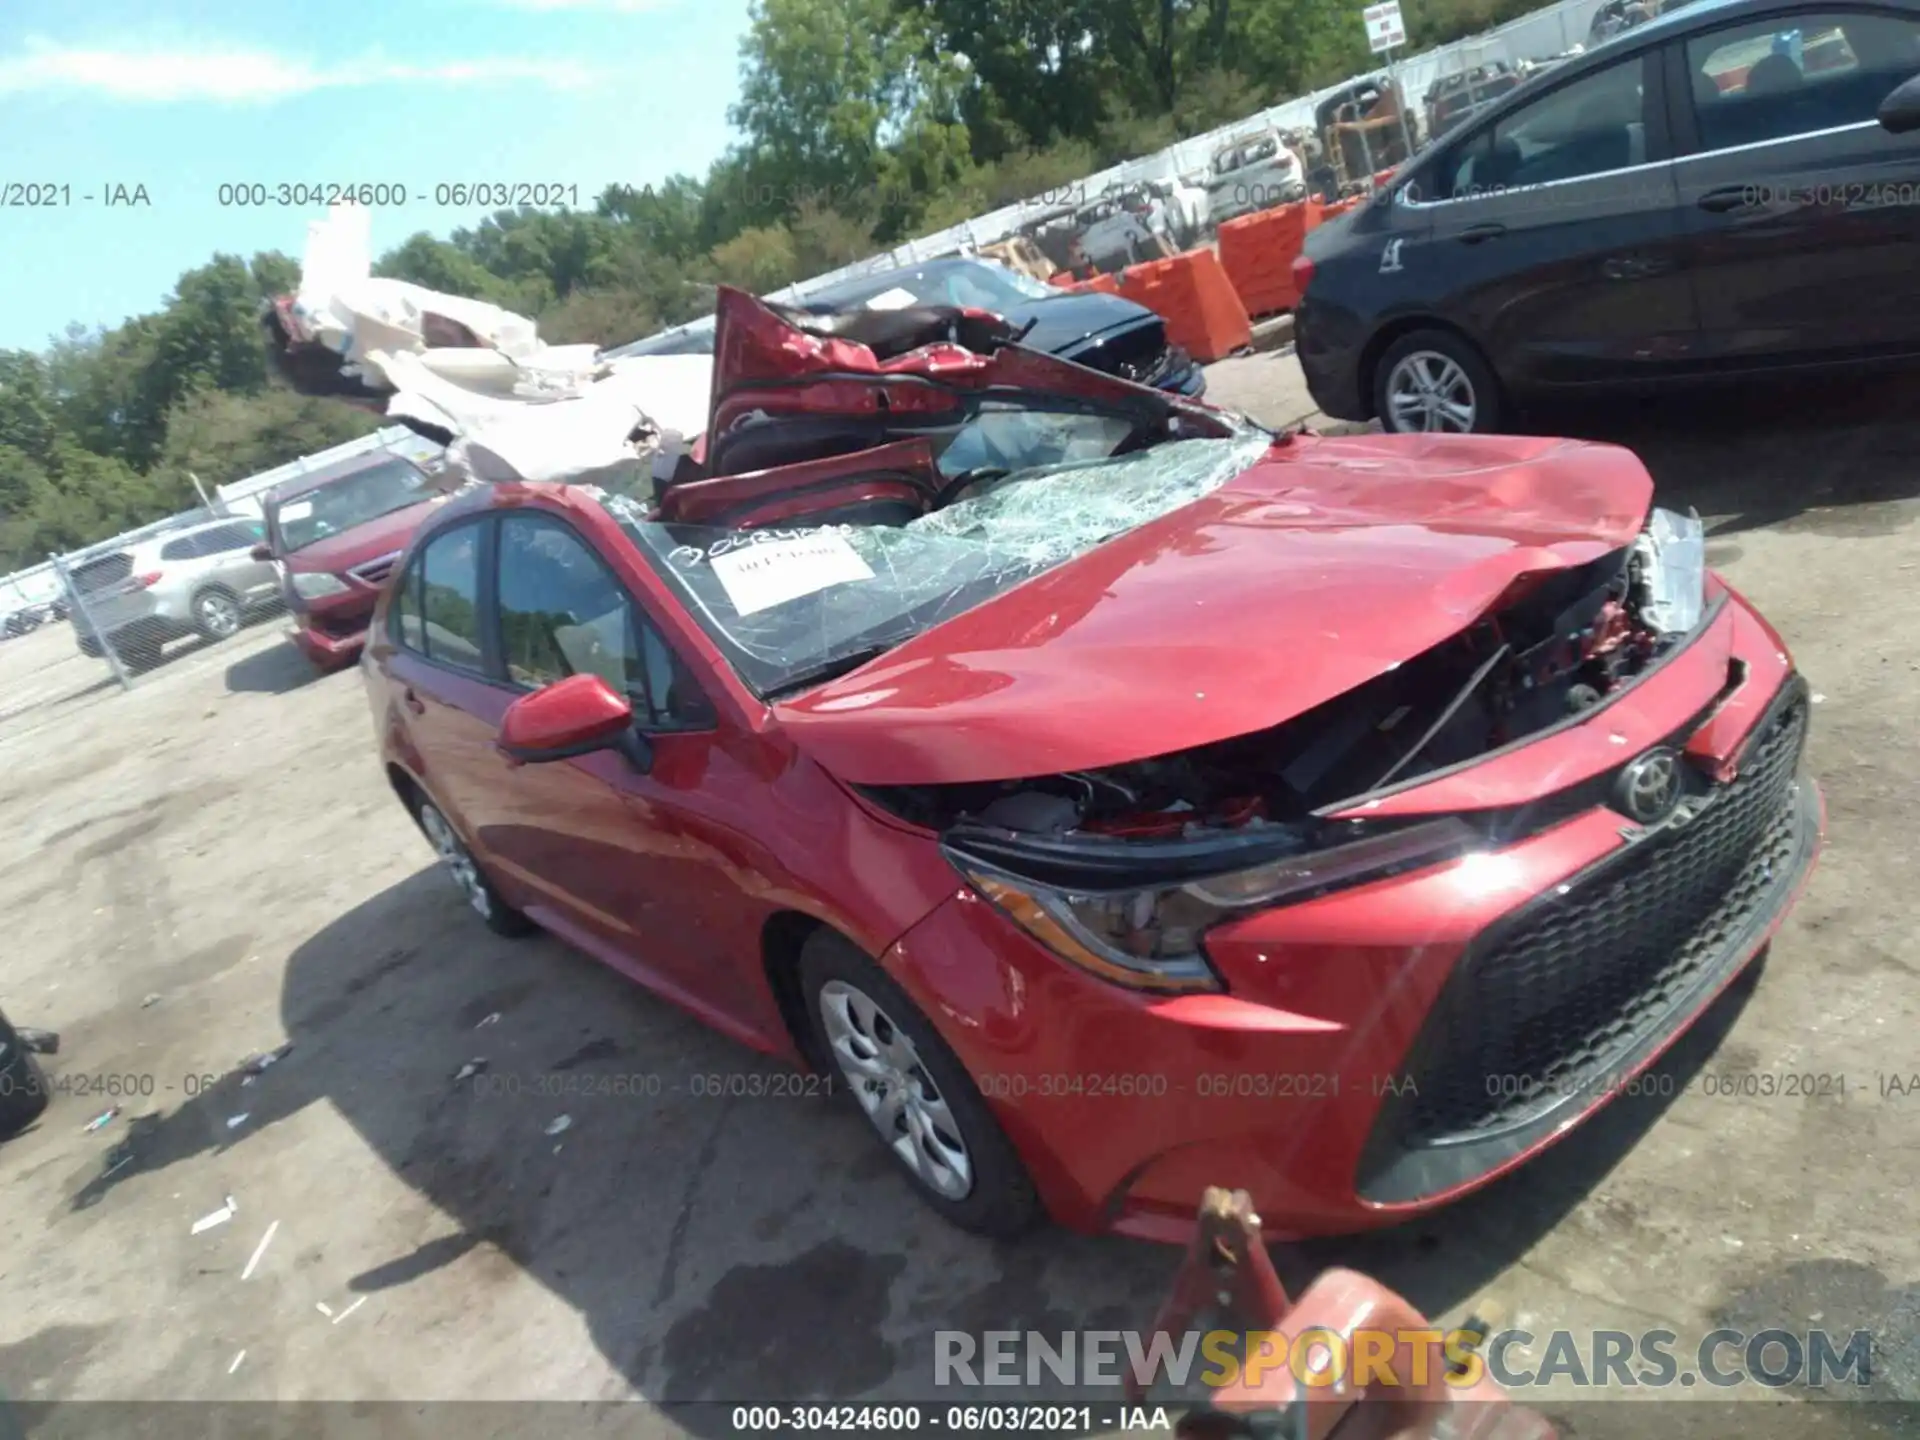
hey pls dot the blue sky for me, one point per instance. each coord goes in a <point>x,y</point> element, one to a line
<point>181,96</point>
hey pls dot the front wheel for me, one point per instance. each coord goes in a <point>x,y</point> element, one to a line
<point>1435,382</point>
<point>465,871</point>
<point>914,1092</point>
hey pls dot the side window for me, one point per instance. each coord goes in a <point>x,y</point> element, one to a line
<point>1793,75</point>
<point>229,538</point>
<point>1595,124</point>
<point>562,613</point>
<point>404,620</point>
<point>450,598</point>
<point>181,549</point>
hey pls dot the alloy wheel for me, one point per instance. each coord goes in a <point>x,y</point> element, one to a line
<point>895,1089</point>
<point>453,854</point>
<point>1428,391</point>
<point>219,615</point>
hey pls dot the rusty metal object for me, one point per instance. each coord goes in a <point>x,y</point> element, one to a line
<point>1226,1269</point>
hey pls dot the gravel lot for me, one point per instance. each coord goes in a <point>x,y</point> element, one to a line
<point>213,865</point>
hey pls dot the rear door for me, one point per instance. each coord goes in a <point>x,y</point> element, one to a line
<point>1556,235</point>
<point>438,672</point>
<point>1803,215</point>
<point>229,551</point>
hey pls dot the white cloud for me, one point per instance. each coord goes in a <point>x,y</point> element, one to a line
<point>241,76</point>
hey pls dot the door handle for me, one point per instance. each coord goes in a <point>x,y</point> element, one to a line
<point>1474,234</point>
<point>1727,198</point>
<point>1631,267</point>
<point>412,701</point>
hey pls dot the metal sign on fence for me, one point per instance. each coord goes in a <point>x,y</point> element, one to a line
<point>1384,28</point>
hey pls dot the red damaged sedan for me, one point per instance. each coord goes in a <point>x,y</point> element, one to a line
<point>1112,797</point>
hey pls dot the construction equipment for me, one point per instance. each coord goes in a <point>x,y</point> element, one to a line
<point>1361,134</point>
<point>1019,253</point>
<point>1388,1373</point>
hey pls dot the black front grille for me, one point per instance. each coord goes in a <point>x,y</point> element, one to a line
<point>1546,1009</point>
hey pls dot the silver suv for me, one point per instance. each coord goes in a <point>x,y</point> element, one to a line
<point>1254,172</point>
<point>198,580</point>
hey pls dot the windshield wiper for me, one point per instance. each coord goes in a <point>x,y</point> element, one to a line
<point>830,669</point>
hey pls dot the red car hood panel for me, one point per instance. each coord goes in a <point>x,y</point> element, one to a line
<point>363,542</point>
<point>1324,565</point>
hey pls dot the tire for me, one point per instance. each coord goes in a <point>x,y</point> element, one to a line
<point>482,898</point>
<point>998,1199</point>
<point>24,1095</point>
<point>217,615</point>
<point>1424,379</point>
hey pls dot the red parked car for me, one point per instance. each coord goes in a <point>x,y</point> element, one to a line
<point>336,535</point>
<point>1110,797</point>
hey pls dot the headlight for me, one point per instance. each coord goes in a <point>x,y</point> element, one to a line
<point>317,585</point>
<point>1671,560</point>
<point>1149,938</point>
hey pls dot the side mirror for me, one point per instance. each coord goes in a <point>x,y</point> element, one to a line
<point>576,716</point>
<point>262,551</point>
<point>1900,111</point>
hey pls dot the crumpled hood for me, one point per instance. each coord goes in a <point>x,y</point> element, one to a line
<point>1318,568</point>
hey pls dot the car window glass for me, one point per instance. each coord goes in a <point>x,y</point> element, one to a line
<point>562,613</point>
<point>1589,127</point>
<point>404,625</point>
<point>181,549</point>
<point>449,600</point>
<point>228,538</point>
<point>1791,75</point>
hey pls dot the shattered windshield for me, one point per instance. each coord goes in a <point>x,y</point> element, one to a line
<point>794,606</point>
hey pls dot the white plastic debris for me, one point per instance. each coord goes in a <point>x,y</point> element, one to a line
<point>1672,560</point>
<point>469,1070</point>
<point>219,1217</point>
<point>533,410</point>
<point>234,1122</point>
<point>350,1309</point>
<point>236,1362</point>
<point>560,1125</point>
<point>493,1019</point>
<point>1818,698</point>
<point>324,1308</point>
<point>259,1250</point>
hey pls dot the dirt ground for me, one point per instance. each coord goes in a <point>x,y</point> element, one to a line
<point>213,865</point>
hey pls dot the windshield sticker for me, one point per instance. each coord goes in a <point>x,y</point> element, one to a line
<point>894,299</point>
<point>296,510</point>
<point>759,577</point>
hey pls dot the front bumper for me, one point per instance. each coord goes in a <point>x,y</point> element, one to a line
<point>1386,1049</point>
<point>332,635</point>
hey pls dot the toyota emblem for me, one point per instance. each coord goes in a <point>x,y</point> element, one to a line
<point>1649,787</point>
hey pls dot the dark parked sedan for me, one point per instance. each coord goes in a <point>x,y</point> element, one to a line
<point>1708,194</point>
<point>1101,331</point>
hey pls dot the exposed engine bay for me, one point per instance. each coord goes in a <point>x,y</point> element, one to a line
<point>1560,644</point>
